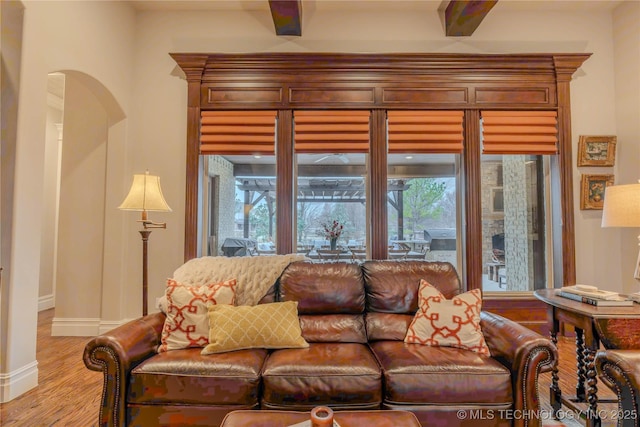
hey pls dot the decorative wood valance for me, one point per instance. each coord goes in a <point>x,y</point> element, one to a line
<point>342,81</point>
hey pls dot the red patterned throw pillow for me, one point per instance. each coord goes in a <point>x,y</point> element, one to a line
<point>187,322</point>
<point>447,323</point>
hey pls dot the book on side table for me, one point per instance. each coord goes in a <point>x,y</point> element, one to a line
<point>594,296</point>
<point>634,297</point>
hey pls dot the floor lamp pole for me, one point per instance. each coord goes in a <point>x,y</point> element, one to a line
<point>145,195</point>
<point>145,272</point>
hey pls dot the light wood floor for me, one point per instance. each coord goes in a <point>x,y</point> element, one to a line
<point>568,380</point>
<point>68,394</point>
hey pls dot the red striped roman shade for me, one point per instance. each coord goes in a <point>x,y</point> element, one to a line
<point>425,131</point>
<point>238,132</point>
<point>519,132</point>
<point>331,131</point>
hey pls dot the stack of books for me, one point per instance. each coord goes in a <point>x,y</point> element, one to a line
<point>594,296</point>
<point>634,297</point>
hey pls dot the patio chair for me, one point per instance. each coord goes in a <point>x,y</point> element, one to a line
<point>358,254</point>
<point>328,254</point>
<point>398,253</point>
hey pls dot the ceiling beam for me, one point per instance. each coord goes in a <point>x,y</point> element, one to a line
<point>462,17</point>
<point>287,17</point>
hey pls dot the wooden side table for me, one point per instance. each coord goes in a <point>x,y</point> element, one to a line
<point>614,327</point>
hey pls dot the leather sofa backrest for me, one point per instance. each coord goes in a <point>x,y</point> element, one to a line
<point>270,296</point>
<point>330,297</point>
<point>391,289</point>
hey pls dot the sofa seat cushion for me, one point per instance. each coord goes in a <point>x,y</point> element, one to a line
<point>187,377</point>
<point>441,375</point>
<point>338,374</point>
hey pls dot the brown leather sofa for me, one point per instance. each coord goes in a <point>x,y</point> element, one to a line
<point>355,317</point>
<point>620,370</point>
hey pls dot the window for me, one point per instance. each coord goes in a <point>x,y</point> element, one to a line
<point>331,187</point>
<point>497,200</point>
<point>422,207</point>
<point>331,158</point>
<point>424,217</point>
<point>517,150</point>
<point>423,147</point>
<point>514,230</point>
<point>239,166</point>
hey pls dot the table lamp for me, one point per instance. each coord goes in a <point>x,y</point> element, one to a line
<point>145,195</point>
<point>622,209</point>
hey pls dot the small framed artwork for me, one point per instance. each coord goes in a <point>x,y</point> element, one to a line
<point>592,190</point>
<point>596,150</point>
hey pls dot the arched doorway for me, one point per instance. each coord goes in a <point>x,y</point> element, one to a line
<point>80,116</point>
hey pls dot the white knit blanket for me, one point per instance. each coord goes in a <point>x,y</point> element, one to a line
<point>254,274</point>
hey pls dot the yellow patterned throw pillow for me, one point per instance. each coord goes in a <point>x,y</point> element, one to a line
<point>273,325</point>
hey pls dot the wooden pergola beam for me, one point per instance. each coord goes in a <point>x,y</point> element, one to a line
<point>287,17</point>
<point>462,17</point>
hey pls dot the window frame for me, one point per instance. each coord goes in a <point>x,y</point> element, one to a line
<point>287,81</point>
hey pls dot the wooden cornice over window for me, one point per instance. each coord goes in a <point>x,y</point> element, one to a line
<point>321,81</point>
<point>519,132</point>
<point>238,132</point>
<point>331,131</point>
<point>425,131</point>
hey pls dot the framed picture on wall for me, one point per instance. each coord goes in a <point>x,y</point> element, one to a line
<point>596,150</point>
<point>592,190</point>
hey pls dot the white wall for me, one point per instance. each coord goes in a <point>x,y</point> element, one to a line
<point>145,98</point>
<point>606,101</point>
<point>57,36</point>
<point>10,47</point>
<point>626,33</point>
<point>50,205</point>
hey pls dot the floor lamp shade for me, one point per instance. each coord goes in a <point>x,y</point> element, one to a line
<point>145,194</point>
<point>622,209</point>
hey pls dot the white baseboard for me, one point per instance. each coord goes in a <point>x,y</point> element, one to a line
<point>82,327</point>
<point>78,327</point>
<point>46,302</point>
<point>107,325</point>
<point>18,382</point>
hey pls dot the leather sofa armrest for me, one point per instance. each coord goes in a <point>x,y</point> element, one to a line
<point>526,354</point>
<point>620,371</point>
<point>115,353</point>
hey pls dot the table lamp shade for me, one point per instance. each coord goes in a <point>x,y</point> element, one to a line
<point>621,206</point>
<point>145,195</point>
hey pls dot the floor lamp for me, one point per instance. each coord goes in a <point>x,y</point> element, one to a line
<point>622,209</point>
<point>145,195</point>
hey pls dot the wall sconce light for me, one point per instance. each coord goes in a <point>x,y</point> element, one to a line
<point>145,195</point>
